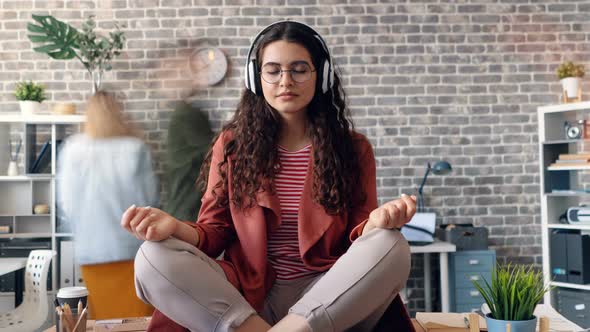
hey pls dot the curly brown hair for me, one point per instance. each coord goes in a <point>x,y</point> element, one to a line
<point>255,129</point>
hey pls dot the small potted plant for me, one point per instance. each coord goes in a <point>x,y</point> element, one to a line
<point>570,76</point>
<point>512,295</point>
<point>30,96</point>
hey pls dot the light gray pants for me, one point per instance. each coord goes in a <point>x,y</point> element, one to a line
<point>191,289</point>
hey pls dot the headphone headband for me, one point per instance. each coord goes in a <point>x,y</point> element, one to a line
<point>252,75</point>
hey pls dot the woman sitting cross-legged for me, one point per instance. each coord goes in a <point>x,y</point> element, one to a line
<point>290,198</point>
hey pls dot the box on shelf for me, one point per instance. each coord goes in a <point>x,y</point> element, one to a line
<point>464,237</point>
<point>574,304</point>
<point>578,258</point>
<point>123,324</point>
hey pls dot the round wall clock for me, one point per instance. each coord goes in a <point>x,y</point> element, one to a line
<point>208,65</point>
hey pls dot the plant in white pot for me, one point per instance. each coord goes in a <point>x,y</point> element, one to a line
<point>570,76</point>
<point>512,295</point>
<point>30,96</point>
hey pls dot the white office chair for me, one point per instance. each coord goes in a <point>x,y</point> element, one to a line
<point>32,312</point>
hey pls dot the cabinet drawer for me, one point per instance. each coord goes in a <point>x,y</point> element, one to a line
<point>574,305</point>
<point>466,278</point>
<point>468,296</point>
<point>576,310</point>
<point>574,295</point>
<point>481,263</point>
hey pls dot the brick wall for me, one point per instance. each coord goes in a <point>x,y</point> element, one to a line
<point>426,80</point>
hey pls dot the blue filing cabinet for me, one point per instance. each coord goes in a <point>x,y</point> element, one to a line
<point>464,268</point>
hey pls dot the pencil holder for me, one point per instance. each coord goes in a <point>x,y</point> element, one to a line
<point>73,323</point>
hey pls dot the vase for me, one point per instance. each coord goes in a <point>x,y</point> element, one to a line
<point>496,325</point>
<point>29,107</point>
<point>12,169</point>
<point>96,80</point>
<point>571,85</point>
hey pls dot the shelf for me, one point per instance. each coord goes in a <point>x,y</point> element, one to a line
<point>21,193</point>
<point>49,293</point>
<point>23,235</point>
<point>42,118</point>
<point>29,177</point>
<point>26,215</point>
<point>565,107</point>
<point>569,177</point>
<point>568,285</point>
<point>568,226</point>
<point>568,194</point>
<point>571,168</point>
<point>566,141</point>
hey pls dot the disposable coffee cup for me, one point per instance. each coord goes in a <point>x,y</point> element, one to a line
<point>71,296</point>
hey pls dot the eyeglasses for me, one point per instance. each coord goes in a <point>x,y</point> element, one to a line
<point>272,73</point>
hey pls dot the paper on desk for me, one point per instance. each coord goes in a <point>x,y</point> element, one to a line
<point>556,321</point>
<point>445,322</point>
<point>122,325</point>
<point>452,322</point>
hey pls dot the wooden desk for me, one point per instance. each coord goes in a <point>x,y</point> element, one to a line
<point>17,265</point>
<point>417,326</point>
<point>89,327</point>
<point>135,324</point>
<point>553,319</point>
<point>443,249</point>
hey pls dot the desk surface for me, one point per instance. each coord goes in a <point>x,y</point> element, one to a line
<point>90,327</point>
<point>8,265</point>
<point>417,325</point>
<point>436,246</point>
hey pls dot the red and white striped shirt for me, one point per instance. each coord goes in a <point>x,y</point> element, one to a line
<point>283,243</point>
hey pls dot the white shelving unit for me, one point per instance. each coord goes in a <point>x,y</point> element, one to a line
<point>566,180</point>
<point>22,192</point>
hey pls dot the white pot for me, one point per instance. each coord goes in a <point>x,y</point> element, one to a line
<point>571,86</point>
<point>29,107</point>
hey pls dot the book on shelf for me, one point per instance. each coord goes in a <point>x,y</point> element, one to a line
<point>574,156</point>
<point>571,161</point>
<point>570,191</point>
<point>42,159</point>
<point>42,163</point>
<point>566,165</point>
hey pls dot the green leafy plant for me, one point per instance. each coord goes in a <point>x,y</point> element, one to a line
<point>29,91</point>
<point>62,41</point>
<point>513,293</point>
<point>569,69</point>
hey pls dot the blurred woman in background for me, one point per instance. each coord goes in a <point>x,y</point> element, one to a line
<point>101,172</point>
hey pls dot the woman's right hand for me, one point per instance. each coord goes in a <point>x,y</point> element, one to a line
<point>148,223</point>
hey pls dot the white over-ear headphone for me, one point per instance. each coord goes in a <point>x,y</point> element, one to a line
<point>252,72</point>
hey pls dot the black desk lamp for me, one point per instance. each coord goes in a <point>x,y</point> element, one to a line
<point>440,168</point>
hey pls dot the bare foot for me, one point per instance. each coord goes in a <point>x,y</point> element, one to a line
<point>291,323</point>
<point>254,323</point>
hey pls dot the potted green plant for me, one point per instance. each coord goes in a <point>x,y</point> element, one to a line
<point>512,295</point>
<point>62,41</point>
<point>30,96</point>
<point>570,76</point>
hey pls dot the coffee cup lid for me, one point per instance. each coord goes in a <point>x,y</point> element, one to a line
<point>72,292</point>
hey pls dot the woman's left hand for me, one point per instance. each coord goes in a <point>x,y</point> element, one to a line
<point>393,214</point>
